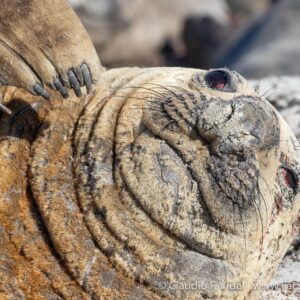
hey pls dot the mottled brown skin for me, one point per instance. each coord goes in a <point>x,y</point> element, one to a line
<point>151,183</point>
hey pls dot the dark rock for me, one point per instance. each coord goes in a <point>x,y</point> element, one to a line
<point>203,37</point>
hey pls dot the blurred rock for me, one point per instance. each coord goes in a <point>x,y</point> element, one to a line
<point>132,32</point>
<point>203,37</point>
<point>244,10</point>
<point>269,46</point>
<point>102,18</point>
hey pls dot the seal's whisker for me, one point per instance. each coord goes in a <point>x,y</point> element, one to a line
<point>147,89</point>
<point>259,173</point>
<point>181,103</point>
<point>149,102</point>
<point>142,98</point>
<point>263,95</point>
<point>180,89</point>
<point>271,95</point>
<point>244,230</point>
<point>260,216</point>
<point>130,97</point>
<point>178,97</point>
<point>153,103</point>
<point>167,89</point>
<point>263,200</point>
<point>186,93</point>
<point>265,204</point>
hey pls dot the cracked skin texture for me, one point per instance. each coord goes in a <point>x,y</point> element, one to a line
<point>139,187</point>
<point>150,185</point>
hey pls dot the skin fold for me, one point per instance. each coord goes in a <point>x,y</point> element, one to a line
<point>153,185</point>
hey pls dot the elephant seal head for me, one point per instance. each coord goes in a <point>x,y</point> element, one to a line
<point>182,182</point>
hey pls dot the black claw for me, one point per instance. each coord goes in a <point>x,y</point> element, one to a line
<point>39,90</point>
<point>86,77</point>
<point>74,83</point>
<point>79,76</point>
<point>59,86</point>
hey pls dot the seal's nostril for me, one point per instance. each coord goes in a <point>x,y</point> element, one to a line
<point>216,79</point>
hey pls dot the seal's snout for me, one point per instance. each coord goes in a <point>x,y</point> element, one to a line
<point>242,123</point>
<point>230,115</point>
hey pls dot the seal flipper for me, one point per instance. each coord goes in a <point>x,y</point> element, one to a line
<point>43,43</point>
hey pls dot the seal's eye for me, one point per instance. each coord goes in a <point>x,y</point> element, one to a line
<point>289,179</point>
<point>217,79</point>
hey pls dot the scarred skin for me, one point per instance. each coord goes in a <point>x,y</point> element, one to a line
<point>154,185</point>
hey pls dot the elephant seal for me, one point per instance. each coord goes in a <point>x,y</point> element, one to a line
<point>160,183</point>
